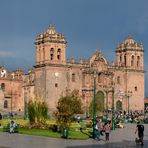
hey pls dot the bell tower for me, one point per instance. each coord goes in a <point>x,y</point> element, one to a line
<point>130,54</point>
<point>50,47</point>
<point>130,73</point>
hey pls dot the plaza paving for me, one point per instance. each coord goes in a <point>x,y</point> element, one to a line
<point>120,138</point>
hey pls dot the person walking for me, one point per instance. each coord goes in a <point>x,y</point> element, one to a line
<point>140,129</point>
<point>0,119</point>
<point>107,129</point>
<point>98,129</point>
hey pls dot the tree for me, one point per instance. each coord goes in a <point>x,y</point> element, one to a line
<point>67,106</point>
<point>37,110</point>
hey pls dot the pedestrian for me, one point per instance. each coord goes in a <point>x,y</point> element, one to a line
<point>98,129</point>
<point>0,119</point>
<point>107,129</point>
<point>78,119</point>
<point>140,129</point>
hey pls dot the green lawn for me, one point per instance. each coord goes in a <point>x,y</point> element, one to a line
<point>73,133</point>
<point>50,133</point>
<point>39,132</point>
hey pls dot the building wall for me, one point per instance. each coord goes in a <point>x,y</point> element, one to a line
<point>126,75</point>
<point>52,75</point>
<point>11,91</point>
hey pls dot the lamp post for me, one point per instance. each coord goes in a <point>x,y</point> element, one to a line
<point>25,106</point>
<point>11,96</point>
<point>113,110</point>
<point>106,105</point>
<point>129,94</point>
<point>94,107</point>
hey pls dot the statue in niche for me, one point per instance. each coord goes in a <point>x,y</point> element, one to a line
<point>3,73</point>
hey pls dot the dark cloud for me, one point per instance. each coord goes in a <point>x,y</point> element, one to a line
<point>88,25</point>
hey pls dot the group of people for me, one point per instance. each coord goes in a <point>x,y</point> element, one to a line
<point>103,128</point>
<point>106,128</point>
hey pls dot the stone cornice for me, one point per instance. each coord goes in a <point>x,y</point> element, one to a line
<point>60,65</point>
<point>119,68</point>
<point>125,50</point>
<point>38,42</point>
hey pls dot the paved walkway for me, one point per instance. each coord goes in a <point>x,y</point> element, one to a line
<point>120,138</point>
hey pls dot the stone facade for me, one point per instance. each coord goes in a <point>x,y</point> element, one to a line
<point>52,74</point>
<point>11,92</point>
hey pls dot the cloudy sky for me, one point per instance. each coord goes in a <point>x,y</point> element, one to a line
<point>87,25</point>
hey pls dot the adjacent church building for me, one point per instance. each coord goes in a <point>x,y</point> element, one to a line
<point>120,83</point>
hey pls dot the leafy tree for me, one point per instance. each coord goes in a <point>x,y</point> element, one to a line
<point>67,106</point>
<point>37,112</point>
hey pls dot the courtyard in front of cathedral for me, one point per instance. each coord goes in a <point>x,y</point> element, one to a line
<point>119,138</point>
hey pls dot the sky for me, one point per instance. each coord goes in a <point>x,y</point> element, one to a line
<point>87,25</point>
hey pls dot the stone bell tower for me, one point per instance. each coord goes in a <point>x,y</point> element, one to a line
<point>130,54</point>
<point>50,47</point>
<point>130,73</point>
<point>50,80</point>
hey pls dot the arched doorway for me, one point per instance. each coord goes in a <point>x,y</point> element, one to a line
<point>99,102</point>
<point>119,105</point>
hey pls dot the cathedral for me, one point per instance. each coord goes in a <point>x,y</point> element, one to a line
<point>120,83</point>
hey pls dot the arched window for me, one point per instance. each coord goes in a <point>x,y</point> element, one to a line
<point>138,61</point>
<point>39,55</point>
<point>59,54</point>
<point>136,88</point>
<point>73,77</point>
<point>99,78</point>
<point>51,54</point>
<point>3,86</point>
<point>5,104</point>
<point>125,60</point>
<point>118,80</point>
<point>56,84</point>
<point>43,54</point>
<point>132,60</point>
<point>120,58</point>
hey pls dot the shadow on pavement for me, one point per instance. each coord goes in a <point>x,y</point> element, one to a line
<point>123,144</point>
<point>4,147</point>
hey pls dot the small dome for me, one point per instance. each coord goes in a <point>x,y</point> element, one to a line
<point>129,43</point>
<point>129,40</point>
<point>50,35</point>
<point>51,29</point>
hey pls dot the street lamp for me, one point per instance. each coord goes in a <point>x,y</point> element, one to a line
<point>25,105</point>
<point>106,104</point>
<point>113,110</point>
<point>94,106</point>
<point>11,95</point>
<point>129,94</point>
